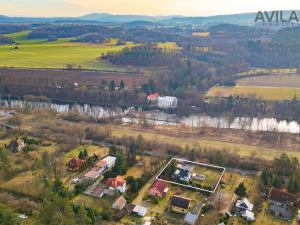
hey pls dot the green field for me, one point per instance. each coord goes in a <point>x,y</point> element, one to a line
<point>39,53</point>
<point>212,175</point>
<point>265,93</point>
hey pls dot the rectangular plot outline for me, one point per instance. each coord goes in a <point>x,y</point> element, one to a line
<point>189,186</point>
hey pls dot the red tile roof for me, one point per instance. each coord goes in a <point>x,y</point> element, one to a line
<point>75,163</point>
<point>281,196</point>
<point>116,182</point>
<point>159,185</point>
<point>153,96</point>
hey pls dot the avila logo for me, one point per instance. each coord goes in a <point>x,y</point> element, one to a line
<point>277,17</point>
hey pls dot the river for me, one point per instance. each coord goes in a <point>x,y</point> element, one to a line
<point>131,115</point>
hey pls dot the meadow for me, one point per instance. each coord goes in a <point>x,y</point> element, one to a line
<point>265,93</point>
<point>283,80</point>
<point>240,149</point>
<point>168,46</point>
<point>39,53</point>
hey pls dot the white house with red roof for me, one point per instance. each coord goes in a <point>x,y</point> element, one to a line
<point>158,188</point>
<point>153,97</point>
<point>117,183</point>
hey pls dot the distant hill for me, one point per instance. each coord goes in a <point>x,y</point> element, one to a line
<point>106,18</point>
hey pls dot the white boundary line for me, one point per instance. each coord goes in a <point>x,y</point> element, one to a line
<point>189,186</point>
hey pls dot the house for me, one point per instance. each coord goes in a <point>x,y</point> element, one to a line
<point>139,210</point>
<point>158,188</point>
<point>248,215</point>
<point>16,145</point>
<point>129,208</point>
<point>192,216</point>
<point>117,183</point>
<point>179,204</point>
<point>153,97</point>
<point>245,207</point>
<point>244,204</point>
<point>98,191</point>
<point>167,102</point>
<point>93,174</point>
<point>281,203</point>
<point>119,215</point>
<point>105,164</point>
<point>74,164</point>
<point>184,172</point>
<point>119,203</point>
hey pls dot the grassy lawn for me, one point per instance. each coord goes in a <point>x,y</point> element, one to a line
<point>241,149</point>
<point>93,202</point>
<point>39,53</point>
<point>101,152</point>
<point>24,184</point>
<point>252,183</point>
<point>212,175</point>
<point>265,93</point>
<point>140,168</point>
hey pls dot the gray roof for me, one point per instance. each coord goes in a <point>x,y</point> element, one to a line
<point>190,218</point>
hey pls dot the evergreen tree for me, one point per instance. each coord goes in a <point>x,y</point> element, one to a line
<point>240,190</point>
<point>7,216</point>
<point>193,155</point>
<point>81,155</point>
<point>265,177</point>
<point>293,185</point>
<point>85,153</point>
<point>122,84</point>
<point>112,85</point>
<point>55,210</point>
<point>83,217</point>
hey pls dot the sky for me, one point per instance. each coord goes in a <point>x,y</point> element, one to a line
<point>70,8</point>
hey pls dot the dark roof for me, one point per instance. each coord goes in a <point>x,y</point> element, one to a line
<point>281,196</point>
<point>98,190</point>
<point>180,202</point>
<point>159,185</point>
<point>129,207</point>
<point>119,215</point>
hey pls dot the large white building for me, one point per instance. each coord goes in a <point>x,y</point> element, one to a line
<point>167,102</point>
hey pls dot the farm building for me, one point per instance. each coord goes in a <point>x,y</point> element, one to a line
<point>158,188</point>
<point>179,204</point>
<point>167,102</point>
